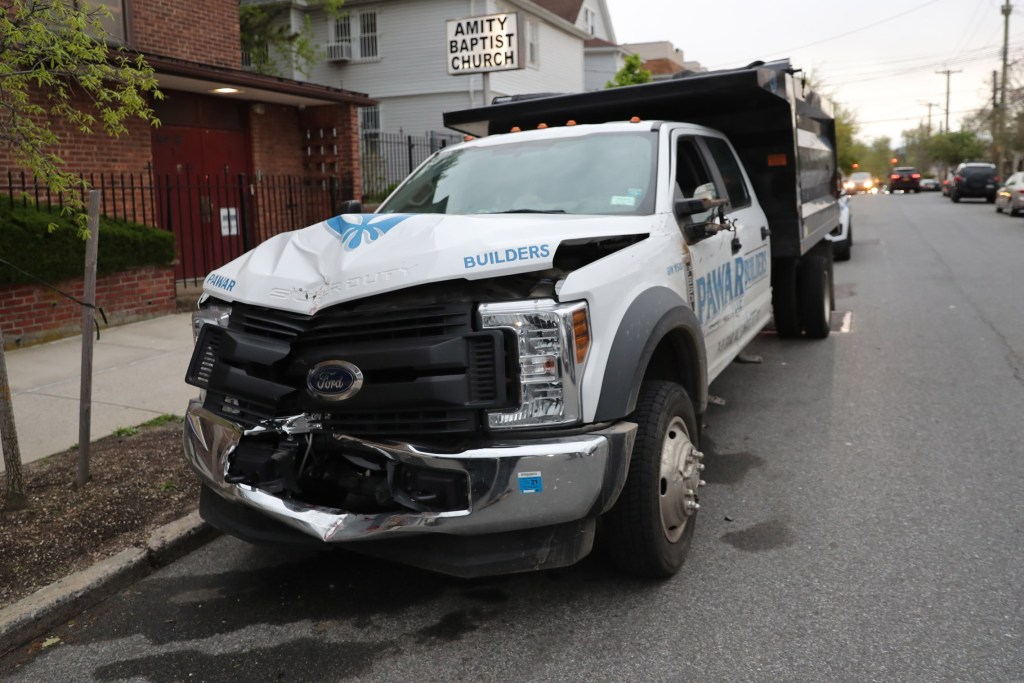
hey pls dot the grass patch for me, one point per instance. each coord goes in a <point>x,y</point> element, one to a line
<point>126,431</point>
<point>161,420</point>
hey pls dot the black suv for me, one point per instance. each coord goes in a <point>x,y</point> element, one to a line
<point>905,178</point>
<point>974,179</point>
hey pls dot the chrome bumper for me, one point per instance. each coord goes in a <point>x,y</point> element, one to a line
<point>579,477</point>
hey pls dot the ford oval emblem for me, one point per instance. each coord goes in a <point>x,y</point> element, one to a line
<point>334,380</point>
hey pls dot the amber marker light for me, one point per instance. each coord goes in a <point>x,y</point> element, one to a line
<point>570,122</point>
<point>581,334</point>
<point>542,125</point>
<point>468,138</point>
<point>515,129</point>
<point>635,119</point>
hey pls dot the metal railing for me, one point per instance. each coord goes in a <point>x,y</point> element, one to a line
<point>387,158</point>
<point>214,218</point>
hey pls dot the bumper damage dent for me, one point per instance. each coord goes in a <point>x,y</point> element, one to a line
<point>513,485</point>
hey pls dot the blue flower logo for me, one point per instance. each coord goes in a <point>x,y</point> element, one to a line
<point>358,229</point>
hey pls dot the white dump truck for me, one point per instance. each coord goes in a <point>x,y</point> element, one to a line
<point>511,356</point>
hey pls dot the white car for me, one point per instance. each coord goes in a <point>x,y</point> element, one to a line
<point>842,237</point>
<point>1010,197</point>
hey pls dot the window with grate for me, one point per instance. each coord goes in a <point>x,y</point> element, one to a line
<point>369,118</point>
<point>355,37</point>
<point>368,35</point>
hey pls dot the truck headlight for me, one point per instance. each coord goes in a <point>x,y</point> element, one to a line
<point>213,312</point>
<point>552,341</point>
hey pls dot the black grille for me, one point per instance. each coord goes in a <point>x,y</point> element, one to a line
<point>426,371</point>
<point>339,327</point>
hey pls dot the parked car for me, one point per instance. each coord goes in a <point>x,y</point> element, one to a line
<point>1011,195</point>
<point>859,183</point>
<point>929,185</point>
<point>905,178</point>
<point>842,236</point>
<point>974,179</point>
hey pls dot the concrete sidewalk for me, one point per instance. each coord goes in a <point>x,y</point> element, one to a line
<point>138,374</point>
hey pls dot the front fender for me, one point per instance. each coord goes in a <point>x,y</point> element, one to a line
<point>657,315</point>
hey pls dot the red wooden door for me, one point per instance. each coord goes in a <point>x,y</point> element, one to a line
<point>196,171</point>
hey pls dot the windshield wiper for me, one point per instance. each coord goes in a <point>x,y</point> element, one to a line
<point>530,211</point>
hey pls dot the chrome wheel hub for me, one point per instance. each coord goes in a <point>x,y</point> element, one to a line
<point>680,479</point>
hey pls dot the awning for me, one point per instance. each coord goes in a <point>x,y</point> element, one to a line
<point>177,74</point>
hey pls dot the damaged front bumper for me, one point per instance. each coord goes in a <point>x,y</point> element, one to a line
<point>527,494</point>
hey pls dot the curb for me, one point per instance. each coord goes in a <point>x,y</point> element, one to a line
<point>64,599</point>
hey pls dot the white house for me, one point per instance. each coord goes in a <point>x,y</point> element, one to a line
<point>396,52</point>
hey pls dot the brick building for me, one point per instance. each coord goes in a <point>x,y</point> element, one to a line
<point>238,156</point>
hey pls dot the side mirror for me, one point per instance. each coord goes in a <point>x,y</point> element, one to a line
<point>696,231</point>
<point>351,206</point>
<point>689,207</point>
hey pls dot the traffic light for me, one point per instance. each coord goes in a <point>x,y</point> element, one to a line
<point>856,165</point>
<point>894,161</point>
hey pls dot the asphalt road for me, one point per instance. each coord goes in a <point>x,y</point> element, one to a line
<point>861,523</point>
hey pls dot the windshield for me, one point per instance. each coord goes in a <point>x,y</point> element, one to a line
<point>598,173</point>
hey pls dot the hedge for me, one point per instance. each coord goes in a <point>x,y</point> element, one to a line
<point>27,243</point>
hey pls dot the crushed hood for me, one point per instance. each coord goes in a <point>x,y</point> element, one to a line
<point>353,256</point>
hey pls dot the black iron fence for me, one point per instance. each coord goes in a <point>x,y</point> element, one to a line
<point>387,158</point>
<point>214,218</point>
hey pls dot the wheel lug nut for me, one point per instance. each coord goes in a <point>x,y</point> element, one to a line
<point>700,467</point>
<point>702,483</point>
<point>690,505</point>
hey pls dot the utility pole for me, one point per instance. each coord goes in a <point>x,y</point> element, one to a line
<point>995,117</point>
<point>1001,142</point>
<point>948,74</point>
<point>929,105</point>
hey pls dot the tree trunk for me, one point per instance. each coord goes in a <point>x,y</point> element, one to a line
<point>14,487</point>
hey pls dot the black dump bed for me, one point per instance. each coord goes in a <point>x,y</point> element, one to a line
<point>783,132</point>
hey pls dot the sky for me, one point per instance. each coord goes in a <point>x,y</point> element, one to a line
<point>878,58</point>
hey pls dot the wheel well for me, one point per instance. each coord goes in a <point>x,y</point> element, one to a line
<point>675,360</point>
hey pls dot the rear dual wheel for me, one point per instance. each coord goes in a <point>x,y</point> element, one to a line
<point>802,294</point>
<point>815,276</point>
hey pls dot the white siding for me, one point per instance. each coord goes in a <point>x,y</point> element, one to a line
<point>560,68</point>
<point>417,114</point>
<point>411,40</point>
<point>600,27</point>
<point>410,77</point>
<point>601,67</point>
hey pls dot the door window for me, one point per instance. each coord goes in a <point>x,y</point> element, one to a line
<point>729,167</point>
<point>693,180</point>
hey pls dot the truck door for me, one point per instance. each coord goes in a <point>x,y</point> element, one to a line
<point>729,259</point>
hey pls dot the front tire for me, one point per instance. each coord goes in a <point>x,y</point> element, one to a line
<point>649,530</point>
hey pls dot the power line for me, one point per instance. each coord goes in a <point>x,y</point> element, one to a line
<point>911,118</point>
<point>862,28</point>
